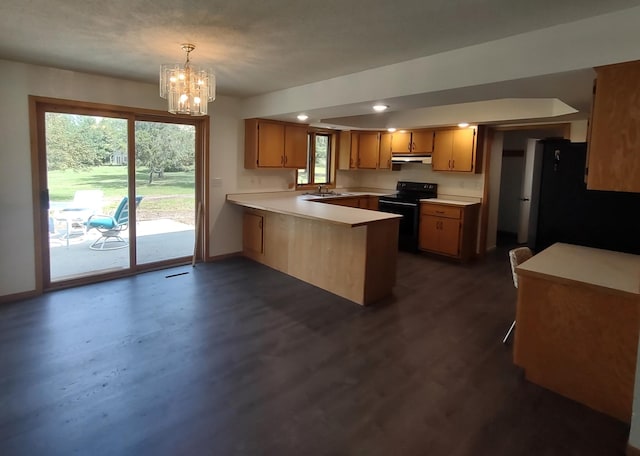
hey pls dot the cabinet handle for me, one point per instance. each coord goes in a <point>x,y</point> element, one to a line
<point>449,165</point>
<point>439,212</point>
<point>453,164</point>
<point>285,159</point>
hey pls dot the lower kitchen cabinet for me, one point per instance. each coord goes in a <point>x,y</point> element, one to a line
<point>362,202</point>
<point>252,234</point>
<point>449,229</point>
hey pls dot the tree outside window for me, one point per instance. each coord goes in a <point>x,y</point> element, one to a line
<point>318,169</point>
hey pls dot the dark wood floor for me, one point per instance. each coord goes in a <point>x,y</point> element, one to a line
<point>234,358</point>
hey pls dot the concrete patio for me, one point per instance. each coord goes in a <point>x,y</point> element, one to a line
<point>157,240</point>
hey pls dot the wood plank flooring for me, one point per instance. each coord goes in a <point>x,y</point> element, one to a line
<point>234,358</point>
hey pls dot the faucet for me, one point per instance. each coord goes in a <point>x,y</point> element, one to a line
<point>321,189</point>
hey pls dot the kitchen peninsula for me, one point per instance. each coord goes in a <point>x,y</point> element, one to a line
<point>348,251</point>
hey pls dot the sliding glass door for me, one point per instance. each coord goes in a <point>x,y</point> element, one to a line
<point>118,191</point>
<point>165,186</point>
<point>87,180</point>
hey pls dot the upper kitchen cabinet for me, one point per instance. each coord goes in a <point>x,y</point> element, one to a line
<point>412,142</point>
<point>614,136</point>
<point>385,151</point>
<point>456,150</point>
<point>359,150</point>
<point>271,144</point>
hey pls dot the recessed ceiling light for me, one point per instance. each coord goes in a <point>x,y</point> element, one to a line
<point>463,124</point>
<point>391,130</point>
<point>380,107</point>
<point>302,117</point>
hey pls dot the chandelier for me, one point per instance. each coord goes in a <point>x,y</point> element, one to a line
<point>187,88</point>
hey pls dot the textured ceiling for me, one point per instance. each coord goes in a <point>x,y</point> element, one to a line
<point>256,46</point>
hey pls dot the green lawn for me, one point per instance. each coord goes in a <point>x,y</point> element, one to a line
<point>112,180</point>
<point>171,196</point>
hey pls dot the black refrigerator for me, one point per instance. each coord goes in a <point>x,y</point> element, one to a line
<point>563,210</point>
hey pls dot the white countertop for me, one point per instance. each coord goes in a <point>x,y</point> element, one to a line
<point>307,206</point>
<point>601,268</point>
<point>449,202</point>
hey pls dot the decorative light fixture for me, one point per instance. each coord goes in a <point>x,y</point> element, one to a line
<point>302,117</point>
<point>380,107</point>
<point>463,124</point>
<point>391,130</point>
<point>187,88</point>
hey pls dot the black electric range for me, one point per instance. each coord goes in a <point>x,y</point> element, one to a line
<point>406,202</point>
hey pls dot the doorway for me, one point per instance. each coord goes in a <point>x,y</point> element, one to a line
<point>118,190</point>
<point>515,213</point>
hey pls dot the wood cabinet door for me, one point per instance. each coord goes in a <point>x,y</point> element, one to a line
<point>252,233</point>
<point>295,146</point>
<point>614,142</point>
<point>422,141</point>
<point>368,150</point>
<point>428,237</point>
<point>270,145</point>
<point>401,142</point>
<point>349,202</point>
<point>373,203</point>
<point>353,152</point>
<point>385,151</point>
<point>449,236</point>
<point>462,149</point>
<point>344,150</point>
<point>442,148</point>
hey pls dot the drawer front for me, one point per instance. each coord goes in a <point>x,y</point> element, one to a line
<point>440,210</point>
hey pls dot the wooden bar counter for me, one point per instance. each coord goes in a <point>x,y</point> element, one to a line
<point>577,325</point>
<point>347,251</point>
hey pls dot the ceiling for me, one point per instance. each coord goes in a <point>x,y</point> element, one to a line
<point>256,48</point>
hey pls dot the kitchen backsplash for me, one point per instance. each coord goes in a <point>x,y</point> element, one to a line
<point>452,184</point>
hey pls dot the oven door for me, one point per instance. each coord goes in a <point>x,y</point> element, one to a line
<point>408,232</point>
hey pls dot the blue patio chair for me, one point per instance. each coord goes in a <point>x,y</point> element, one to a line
<point>110,226</point>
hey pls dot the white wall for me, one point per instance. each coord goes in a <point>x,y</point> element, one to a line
<point>451,184</point>
<point>579,130</point>
<point>17,262</point>
<point>495,172</point>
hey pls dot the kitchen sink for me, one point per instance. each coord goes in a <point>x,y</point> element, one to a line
<point>323,194</point>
